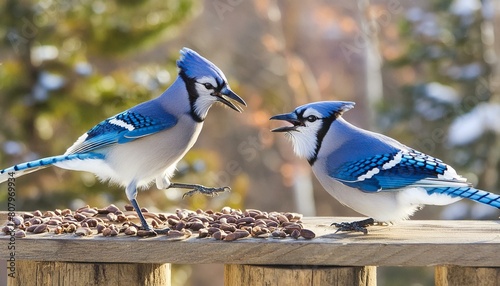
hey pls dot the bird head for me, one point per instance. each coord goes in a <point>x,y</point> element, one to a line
<point>310,123</point>
<point>206,84</point>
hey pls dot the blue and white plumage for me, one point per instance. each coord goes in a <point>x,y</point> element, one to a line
<point>144,144</point>
<point>371,173</point>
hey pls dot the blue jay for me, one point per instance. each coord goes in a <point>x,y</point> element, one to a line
<point>145,143</point>
<point>371,173</point>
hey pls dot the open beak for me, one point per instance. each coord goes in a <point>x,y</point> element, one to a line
<point>290,117</point>
<point>226,92</point>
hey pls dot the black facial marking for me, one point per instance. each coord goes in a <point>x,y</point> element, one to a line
<point>220,85</point>
<point>192,93</point>
<point>300,114</point>
<point>216,89</point>
<point>220,82</point>
<point>327,122</point>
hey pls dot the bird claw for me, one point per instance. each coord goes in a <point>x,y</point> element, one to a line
<point>151,230</point>
<point>206,191</point>
<point>356,226</point>
<point>162,230</point>
<point>146,233</point>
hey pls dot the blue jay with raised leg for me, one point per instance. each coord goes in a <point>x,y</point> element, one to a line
<point>371,173</point>
<point>144,143</point>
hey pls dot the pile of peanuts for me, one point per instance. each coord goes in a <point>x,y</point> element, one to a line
<point>227,224</point>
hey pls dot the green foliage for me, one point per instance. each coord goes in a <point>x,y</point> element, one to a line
<point>61,74</point>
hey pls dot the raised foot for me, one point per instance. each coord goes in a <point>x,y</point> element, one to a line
<point>206,191</point>
<point>356,226</point>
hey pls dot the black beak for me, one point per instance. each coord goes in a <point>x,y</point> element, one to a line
<point>226,92</point>
<point>290,117</point>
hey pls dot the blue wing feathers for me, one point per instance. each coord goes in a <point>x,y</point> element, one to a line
<point>144,131</point>
<point>415,169</point>
<point>125,127</point>
<point>412,167</point>
<point>353,170</point>
<point>135,120</point>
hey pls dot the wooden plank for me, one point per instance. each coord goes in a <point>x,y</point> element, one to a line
<point>409,243</point>
<point>236,275</point>
<point>345,276</point>
<point>73,273</point>
<point>456,275</point>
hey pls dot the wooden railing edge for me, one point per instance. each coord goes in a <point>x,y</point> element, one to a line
<point>465,252</point>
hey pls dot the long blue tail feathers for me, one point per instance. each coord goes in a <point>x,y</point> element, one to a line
<point>469,193</point>
<point>26,168</point>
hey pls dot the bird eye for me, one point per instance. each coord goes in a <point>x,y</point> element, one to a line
<point>311,118</point>
<point>208,86</point>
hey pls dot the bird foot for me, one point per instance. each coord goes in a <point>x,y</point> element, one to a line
<point>150,231</point>
<point>162,230</point>
<point>206,191</point>
<point>356,226</point>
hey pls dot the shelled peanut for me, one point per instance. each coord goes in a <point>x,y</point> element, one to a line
<point>231,224</point>
<point>227,224</point>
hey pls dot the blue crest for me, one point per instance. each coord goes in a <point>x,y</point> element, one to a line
<point>327,108</point>
<point>195,66</point>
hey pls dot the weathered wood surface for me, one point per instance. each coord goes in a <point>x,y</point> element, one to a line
<point>63,273</point>
<point>236,275</point>
<point>454,275</point>
<point>409,243</point>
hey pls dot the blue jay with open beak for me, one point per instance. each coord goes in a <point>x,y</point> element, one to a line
<point>371,173</point>
<point>144,143</point>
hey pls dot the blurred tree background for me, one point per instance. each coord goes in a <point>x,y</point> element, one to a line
<point>424,73</point>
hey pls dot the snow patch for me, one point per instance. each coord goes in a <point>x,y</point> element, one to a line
<point>469,127</point>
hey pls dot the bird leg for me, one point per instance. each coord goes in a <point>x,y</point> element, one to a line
<point>355,225</point>
<point>199,189</point>
<point>144,223</point>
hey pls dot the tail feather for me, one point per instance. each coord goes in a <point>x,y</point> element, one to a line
<point>29,167</point>
<point>469,193</point>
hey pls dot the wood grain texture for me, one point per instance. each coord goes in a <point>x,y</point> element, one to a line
<point>456,275</point>
<point>236,275</point>
<point>71,273</point>
<point>409,243</point>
